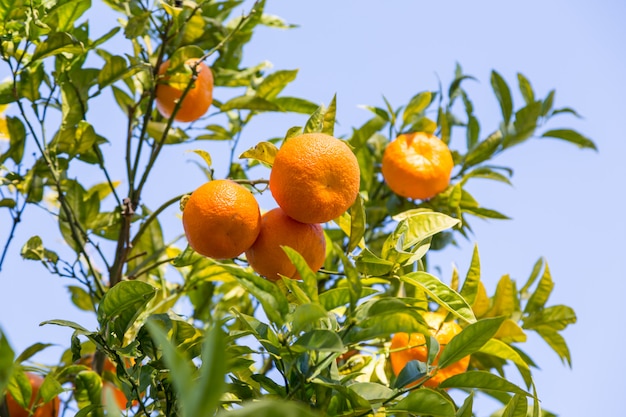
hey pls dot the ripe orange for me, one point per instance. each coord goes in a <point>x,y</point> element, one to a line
<point>49,409</point>
<point>405,348</point>
<point>417,165</point>
<point>197,100</point>
<point>221,219</point>
<point>315,178</point>
<point>277,229</point>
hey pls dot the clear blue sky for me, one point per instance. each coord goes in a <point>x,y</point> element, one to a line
<point>566,203</point>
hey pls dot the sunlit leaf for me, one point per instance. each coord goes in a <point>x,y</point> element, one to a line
<point>274,83</point>
<point>470,340</point>
<point>442,294</point>
<point>263,151</point>
<point>122,304</point>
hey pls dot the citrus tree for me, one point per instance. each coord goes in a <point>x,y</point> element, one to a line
<point>322,304</point>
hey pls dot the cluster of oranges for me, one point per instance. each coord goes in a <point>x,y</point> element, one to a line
<point>314,179</point>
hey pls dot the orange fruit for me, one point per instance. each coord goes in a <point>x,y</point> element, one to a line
<point>221,219</point>
<point>197,100</point>
<point>417,165</point>
<point>315,178</point>
<point>405,348</point>
<point>277,229</point>
<point>49,409</point>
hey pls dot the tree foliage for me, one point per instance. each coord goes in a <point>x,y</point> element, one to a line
<point>313,347</point>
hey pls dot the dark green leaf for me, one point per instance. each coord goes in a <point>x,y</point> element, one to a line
<point>319,340</point>
<point>32,350</point>
<point>482,380</point>
<point>270,408</point>
<point>484,150</point>
<point>547,103</point>
<point>7,356</point>
<point>571,136</point>
<point>65,323</point>
<point>416,106</point>
<point>274,302</point>
<point>426,402</point>
<point>503,94</point>
<point>306,316</point>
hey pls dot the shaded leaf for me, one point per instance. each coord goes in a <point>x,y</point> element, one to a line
<point>571,136</point>
<point>470,340</point>
<point>426,402</point>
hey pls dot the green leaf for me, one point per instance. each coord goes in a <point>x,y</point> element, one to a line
<point>66,323</point>
<point>502,350</point>
<point>306,316</point>
<point>525,124</point>
<point>541,294</point>
<point>370,264</point>
<point>30,81</point>
<point>556,317</point>
<point>181,369</point>
<point>504,302</point>
<point>263,151</point>
<point>308,276</point>
<point>525,88</point>
<point>557,343</point>
<point>416,106</point>
<point>254,103</point>
<point>328,122</point>
<point>503,94</point>
<point>442,294</point>
<point>31,351</point>
<point>62,17</point>
<point>122,304</point>
<point>372,392</point>
<point>209,388</point>
<point>571,136</point>
<point>7,357</point>
<point>340,296</point>
<point>532,278</point>
<point>484,150</point>
<point>469,341</point>
<point>482,380</point>
<point>81,298</point>
<point>426,402</point>
<point>115,68</point>
<point>274,83</point>
<point>88,391</point>
<point>412,372</point>
<point>516,407</point>
<point>466,409</point>
<point>316,121</point>
<point>469,290</point>
<point>357,223</point>
<point>547,103</point>
<point>295,105</point>
<point>319,340</point>
<point>34,250</point>
<point>267,407</point>
<point>17,140</point>
<point>57,43</point>
<point>274,302</point>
